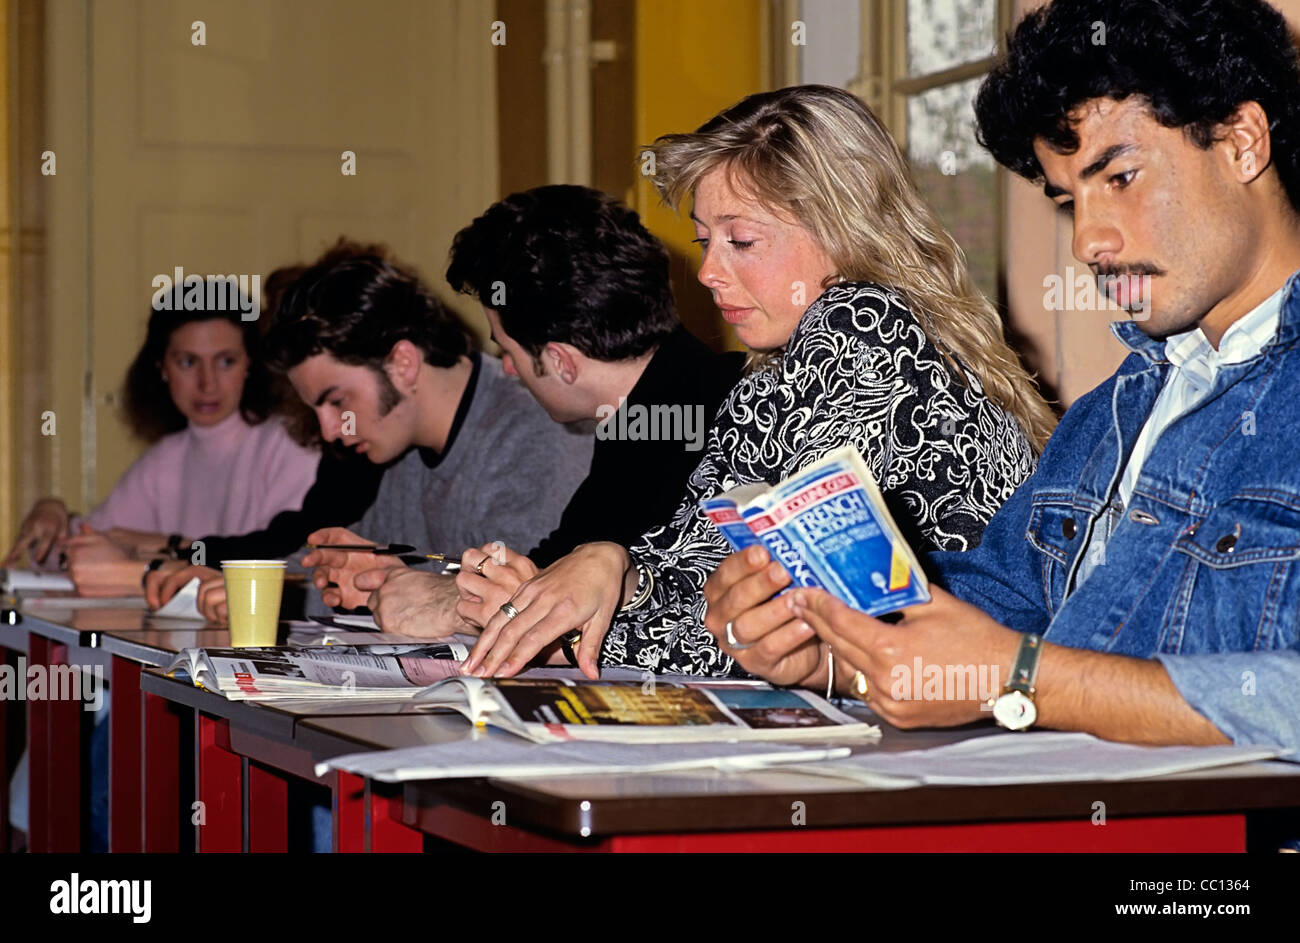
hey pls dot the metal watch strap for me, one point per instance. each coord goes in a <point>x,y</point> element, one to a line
<point>1024,670</point>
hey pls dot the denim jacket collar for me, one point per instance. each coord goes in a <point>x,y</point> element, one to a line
<point>1152,349</point>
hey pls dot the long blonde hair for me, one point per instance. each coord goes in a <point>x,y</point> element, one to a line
<point>820,155</point>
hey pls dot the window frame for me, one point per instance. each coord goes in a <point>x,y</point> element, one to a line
<point>883,83</point>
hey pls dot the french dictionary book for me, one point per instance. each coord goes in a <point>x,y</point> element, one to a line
<point>829,527</point>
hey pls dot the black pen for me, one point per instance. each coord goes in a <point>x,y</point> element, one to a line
<point>398,550</point>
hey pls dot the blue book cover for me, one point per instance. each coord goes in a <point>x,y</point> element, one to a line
<point>829,527</point>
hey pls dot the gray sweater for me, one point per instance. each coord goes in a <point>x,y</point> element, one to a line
<point>507,473</point>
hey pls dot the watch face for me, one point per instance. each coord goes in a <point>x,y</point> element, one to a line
<point>1014,710</point>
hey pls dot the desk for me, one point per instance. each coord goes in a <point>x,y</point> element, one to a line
<point>705,811</point>
<point>117,639</point>
<point>244,756</point>
<point>147,742</point>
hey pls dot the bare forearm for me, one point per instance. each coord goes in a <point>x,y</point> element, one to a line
<point>1116,697</point>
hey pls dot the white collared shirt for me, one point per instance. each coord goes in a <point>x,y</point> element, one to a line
<point>1196,364</point>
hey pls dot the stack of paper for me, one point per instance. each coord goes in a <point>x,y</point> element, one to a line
<point>16,581</point>
<point>1038,757</point>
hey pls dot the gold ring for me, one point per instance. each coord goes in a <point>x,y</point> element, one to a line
<point>860,686</point>
<point>479,568</point>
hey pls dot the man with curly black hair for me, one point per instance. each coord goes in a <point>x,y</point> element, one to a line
<point>1144,584</point>
<point>392,374</point>
<point>578,296</point>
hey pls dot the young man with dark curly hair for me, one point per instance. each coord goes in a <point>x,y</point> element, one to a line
<point>1144,584</point>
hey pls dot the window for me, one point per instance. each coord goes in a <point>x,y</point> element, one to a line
<point>950,45</point>
<point>919,64</point>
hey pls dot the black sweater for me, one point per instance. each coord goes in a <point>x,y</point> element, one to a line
<point>635,482</point>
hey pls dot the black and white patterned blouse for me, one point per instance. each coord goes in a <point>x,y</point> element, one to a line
<point>857,370</point>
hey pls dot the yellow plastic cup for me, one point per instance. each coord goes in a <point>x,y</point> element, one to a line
<point>253,591</point>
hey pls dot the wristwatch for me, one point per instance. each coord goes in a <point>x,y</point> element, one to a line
<point>1014,708</point>
<point>150,567</point>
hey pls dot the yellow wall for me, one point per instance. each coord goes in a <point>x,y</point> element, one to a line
<point>692,60</point>
<point>8,402</point>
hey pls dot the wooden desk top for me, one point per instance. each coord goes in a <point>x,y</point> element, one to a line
<point>603,805</point>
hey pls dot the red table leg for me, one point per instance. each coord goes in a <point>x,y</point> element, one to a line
<point>54,738</point>
<point>218,775</point>
<point>124,759</point>
<point>349,813</point>
<point>160,787</point>
<point>5,771</point>
<point>5,658</point>
<point>385,831</point>
<point>268,809</point>
<point>67,811</point>
<point>38,749</point>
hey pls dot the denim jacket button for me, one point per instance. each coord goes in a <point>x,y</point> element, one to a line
<point>1226,543</point>
<point>1068,528</point>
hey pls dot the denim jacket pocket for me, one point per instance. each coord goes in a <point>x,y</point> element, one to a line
<point>1055,529</point>
<point>1242,586</point>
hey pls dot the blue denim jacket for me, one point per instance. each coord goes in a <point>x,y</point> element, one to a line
<point>1201,569</point>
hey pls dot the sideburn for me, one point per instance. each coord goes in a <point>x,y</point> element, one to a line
<point>389,397</point>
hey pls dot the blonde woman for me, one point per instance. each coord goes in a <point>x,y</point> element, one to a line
<point>867,331</point>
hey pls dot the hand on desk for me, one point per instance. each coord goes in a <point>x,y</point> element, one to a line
<point>44,524</point>
<point>165,582</point>
<point>99,567</point>
<point>335,571</point>
<point>92,546</point>
<point>488,577</point>
<point>580,591</point>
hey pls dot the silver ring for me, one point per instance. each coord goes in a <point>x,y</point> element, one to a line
<point>731,641</point>
<point>479,568</point>
<point>509,610</point>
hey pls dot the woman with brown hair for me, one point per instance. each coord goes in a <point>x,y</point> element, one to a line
<point>866,331</point>
<point>219,460</point>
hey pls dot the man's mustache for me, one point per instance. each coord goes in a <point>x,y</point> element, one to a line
<point>1136,268</point>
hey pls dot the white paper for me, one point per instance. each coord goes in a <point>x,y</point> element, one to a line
<point>504,756</point>
<point>184,605</point>
<point>83,602</point>
<point>358,622</point>
<point>19,580</point>
<point>1035,757</point>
